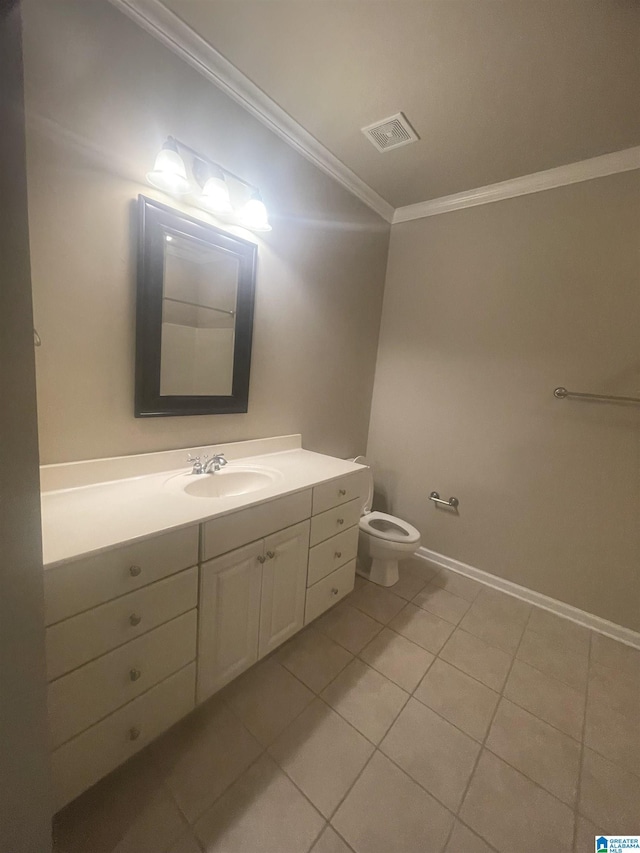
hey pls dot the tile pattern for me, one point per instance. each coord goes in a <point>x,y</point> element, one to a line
<point>460,720</point>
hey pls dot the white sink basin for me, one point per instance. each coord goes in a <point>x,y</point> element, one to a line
<point>228,483</point>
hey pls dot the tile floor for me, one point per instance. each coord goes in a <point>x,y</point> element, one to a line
<point>439,716</point>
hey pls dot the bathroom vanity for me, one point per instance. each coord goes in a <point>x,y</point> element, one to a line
<point>161,586</point>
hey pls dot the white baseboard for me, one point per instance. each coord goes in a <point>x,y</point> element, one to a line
<point>580,617</point>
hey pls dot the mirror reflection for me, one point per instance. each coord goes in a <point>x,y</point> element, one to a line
<point>199,306</point>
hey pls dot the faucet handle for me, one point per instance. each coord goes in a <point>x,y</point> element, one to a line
<point>197,464</point>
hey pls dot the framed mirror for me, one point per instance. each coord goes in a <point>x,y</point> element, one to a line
<point>194,320</point>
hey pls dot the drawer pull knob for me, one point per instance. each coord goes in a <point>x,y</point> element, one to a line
<point>334,591</point>
<point>340,520</point>
<point>261,558</point>
<point>134,571</point>
<point>134,733</point>
<point>271,555</point>
<point>342,492</point>
<point>338,555</point>
<point>134,674</point>
<point>135,619</point>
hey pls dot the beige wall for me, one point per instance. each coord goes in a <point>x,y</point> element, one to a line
<point>101,97</point>
<point>25,810</point>
<point>486,311</point>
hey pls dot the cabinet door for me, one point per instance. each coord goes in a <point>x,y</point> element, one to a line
<point>284,581</point>
<point>229,617</point>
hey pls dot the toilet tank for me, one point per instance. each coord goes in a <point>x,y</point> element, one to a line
<point>368,501</point>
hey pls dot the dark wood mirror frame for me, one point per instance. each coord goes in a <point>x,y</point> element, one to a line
<point>155,220</point>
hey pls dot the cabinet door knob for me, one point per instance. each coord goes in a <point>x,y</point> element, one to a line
<point>338,555</point>
<point>334,591</point>
<point>271,555</point>
<point>134,674</point>
<point>342,492</point>
<point>134,733</point>
<point>134,571</point>
<point>135,619</point>
<point>340,520</point>
<point>261,558</point>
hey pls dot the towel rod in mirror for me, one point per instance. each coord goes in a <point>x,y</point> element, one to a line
<point>561,393</point>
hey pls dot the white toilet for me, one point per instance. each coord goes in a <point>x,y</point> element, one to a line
<point>384,540</point>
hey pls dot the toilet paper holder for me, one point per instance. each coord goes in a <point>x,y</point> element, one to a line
<point>452,502</point>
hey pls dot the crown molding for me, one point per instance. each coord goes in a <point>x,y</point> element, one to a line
<point>169,29</point>
<point>572,173</point>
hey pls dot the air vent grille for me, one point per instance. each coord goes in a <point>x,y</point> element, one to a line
<point>390,133</point>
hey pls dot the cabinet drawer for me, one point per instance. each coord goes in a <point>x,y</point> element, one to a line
<point>81,698</point>
<point>82,761</point>
<point>82,638</point>
<point>335,520</point>
<point>340,491</point>
<point>324,594</point>
<point>74,587</point>
<point>330,555</point>
<point>221,535</point>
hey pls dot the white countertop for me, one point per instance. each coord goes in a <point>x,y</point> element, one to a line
<point>96,516</point>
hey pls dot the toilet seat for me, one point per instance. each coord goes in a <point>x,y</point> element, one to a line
<point>388,527</point>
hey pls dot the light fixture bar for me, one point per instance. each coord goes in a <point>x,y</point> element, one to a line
<point>211,162</point>
<point>170,175</point>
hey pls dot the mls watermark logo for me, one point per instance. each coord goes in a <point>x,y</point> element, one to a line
<point>617,843</point>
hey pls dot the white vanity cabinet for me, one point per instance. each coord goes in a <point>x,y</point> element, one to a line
<point>137,634</point>
<point>284,586</point>
<point>251,600</point>
<point>336,509</point>
<point>230,591</point>
<point>121,646</point>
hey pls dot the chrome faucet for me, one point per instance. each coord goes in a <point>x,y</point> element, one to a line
<point>214,464</point>
<point>207,465</point>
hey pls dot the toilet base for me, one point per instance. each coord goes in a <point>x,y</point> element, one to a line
<point>382,572</point>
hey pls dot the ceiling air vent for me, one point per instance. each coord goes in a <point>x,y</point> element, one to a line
<point>390,133</point>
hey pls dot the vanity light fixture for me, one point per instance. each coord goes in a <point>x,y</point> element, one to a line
<point>215,193</point>
<point>254,214</point>
<point>169,172</point>
<point>212,179</point>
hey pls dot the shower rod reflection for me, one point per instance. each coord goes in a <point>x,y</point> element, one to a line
<point>198,305</point>
<point>561,393</point>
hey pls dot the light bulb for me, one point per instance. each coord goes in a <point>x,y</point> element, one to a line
<point>254,214</point>
<point>215,195</point>
<point>169,172</point>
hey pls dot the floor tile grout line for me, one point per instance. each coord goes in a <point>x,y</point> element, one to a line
<point>489,727</point>
<point>342,646</point>
<point>577,813</point>
<point>511,654</point>
<point>428,793</point>
<point>373,743</point>
<point>558,642</point>
<point>185,819</point>
<point>319,835</point>
<point>295,784</point>
<point>501,694</point>
<point>265,749</point>
<point>265,752</point>
<point>376,747</point>
<point>482,743</point>
<point>352,786</point>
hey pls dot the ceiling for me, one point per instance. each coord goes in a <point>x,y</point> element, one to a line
<point>496,89</point>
